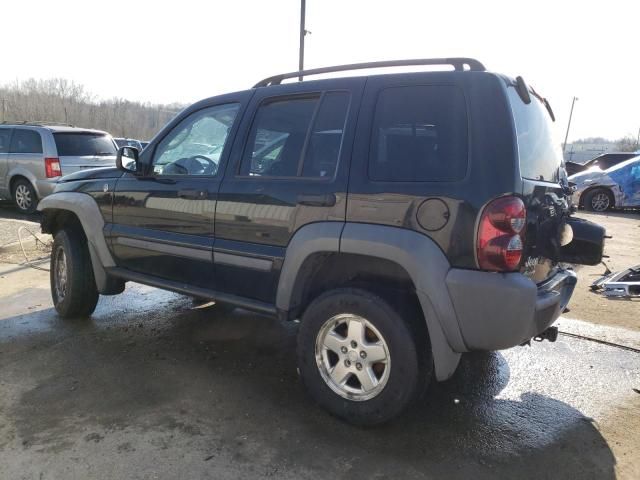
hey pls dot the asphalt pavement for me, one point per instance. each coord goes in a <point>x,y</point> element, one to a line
<point>154,387</point>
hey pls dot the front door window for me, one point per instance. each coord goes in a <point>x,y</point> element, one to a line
<point>195,146</point>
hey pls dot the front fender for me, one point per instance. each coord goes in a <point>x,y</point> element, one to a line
<point>86,209</point>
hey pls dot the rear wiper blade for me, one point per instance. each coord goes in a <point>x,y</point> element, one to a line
<point>545,102</point>
<point>549,109</point>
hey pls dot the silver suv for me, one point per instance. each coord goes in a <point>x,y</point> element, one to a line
<point>33,157</point>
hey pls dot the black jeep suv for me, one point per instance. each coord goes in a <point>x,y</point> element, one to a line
<point>403,219</point>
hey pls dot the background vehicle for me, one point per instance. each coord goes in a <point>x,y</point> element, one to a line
<point>604,161</point>
<point>617,186</point>
<point>128,142</point>
<point>33,157</point>
<point>429,227</point>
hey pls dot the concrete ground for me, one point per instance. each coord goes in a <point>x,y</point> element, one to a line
<point>153,387</point>
<point>624,252</point>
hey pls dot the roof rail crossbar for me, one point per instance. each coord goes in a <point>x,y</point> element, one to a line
<point>36,123</point>
<point>458,63</point>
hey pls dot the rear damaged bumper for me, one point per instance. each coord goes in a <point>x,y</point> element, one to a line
<point>502,310</point>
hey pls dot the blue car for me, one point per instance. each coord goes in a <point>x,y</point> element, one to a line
<point>616,187</point>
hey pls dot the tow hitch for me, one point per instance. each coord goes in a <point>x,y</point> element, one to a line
<point>550,334</point>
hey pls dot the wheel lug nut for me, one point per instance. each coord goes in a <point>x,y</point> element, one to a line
<point>343,349</point>
<point>347,363</point>
<point>359,366</point>
<point>363,354</point>
<point>353,344</point>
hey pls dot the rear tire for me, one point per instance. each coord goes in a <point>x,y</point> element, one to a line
<point>24,196</point>
<point>391,355</point>
<point>599,200</point>
<point>73,287</point>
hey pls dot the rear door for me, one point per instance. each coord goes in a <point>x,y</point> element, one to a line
<point>25,151</point>
<point>5,141</point>
<point>78,150</point>
<point>627,177</point>
<point>635,184</point>
<point>163,223</point>
<point>289,168</point>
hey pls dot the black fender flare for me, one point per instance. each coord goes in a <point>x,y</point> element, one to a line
<point>85,208</point>
<point>421,258</point>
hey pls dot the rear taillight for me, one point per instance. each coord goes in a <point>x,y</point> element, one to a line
<point>501,232</point>
<point>52,167</point>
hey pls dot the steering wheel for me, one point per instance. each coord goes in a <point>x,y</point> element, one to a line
<point>191,166</point>
<point>208,169</point>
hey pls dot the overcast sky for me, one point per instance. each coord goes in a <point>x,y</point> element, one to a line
<point>187,50</point>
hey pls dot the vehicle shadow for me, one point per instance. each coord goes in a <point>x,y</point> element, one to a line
<point>9,211</point>
<point>229,384</point>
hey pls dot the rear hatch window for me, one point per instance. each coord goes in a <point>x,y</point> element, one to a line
<point>84,144</point>
<point>538,150</point>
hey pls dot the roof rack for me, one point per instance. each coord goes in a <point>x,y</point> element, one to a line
<point>36,123</point>
<point>458,63</point>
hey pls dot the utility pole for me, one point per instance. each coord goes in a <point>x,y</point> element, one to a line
<point>303,32</point>
<point>564,147</point>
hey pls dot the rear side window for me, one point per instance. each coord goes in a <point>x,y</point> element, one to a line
<point>419,135</point>
<point>5,138</point>
<point>539,153</point>
<point>83,144</point>
<point>26,141</point>
<point>297,137</point>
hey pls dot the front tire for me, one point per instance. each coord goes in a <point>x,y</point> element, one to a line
<point>360,359</point>
<point>24,196</point>
<point>73,287</point>
<point>599,200</point>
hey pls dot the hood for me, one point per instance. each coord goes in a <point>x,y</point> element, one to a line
<point>93,173</point>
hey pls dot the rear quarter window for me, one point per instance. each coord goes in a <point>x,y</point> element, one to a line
<point>419,135</point>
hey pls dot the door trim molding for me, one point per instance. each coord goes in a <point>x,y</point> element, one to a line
<point>175,250</point>
<point>262,264</point>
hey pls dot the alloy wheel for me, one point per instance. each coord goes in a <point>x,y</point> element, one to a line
<point>23,197</point>
<point>352,357</point>
<point>600,202</point>
<point>60,274</point>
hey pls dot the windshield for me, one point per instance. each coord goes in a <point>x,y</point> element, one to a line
<point>539,152</point>
<point>84,144</point>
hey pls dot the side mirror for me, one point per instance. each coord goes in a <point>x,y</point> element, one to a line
<point>127,159</point>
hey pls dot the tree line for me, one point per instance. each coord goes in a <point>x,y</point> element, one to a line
<point>64,101</point>
<point>628,143</point>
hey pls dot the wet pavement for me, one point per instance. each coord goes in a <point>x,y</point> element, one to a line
<point>153,387</point>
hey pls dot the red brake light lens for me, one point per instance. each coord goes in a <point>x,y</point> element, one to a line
<point>52,167</point>
<point>501,232</point>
